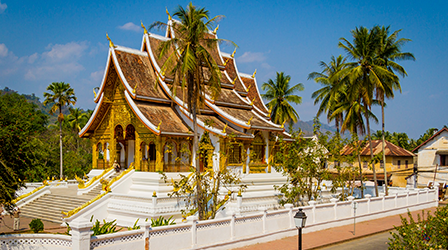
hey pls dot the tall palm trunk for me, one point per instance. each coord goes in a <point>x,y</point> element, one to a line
<point>371,151</point>
<point>383,145</point>
<point>60,141</point>
<point>360,169</point>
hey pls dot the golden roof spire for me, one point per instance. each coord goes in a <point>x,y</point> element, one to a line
<point>234,80</point>
<point>169,16</point>
<point>233,54</point>
<point>216,29</point>
<point>247,89</point>
<point>111,44</point>
<point>225,63</point>
<point>252,102</point>
<point>94,93</point>
<point>255,72</point>
<point>144,29</point>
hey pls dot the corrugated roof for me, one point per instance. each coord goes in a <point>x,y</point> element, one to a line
<point>390,149</point>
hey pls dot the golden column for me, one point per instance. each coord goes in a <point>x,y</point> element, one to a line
<point>159,152</point>
<point>137,152</point>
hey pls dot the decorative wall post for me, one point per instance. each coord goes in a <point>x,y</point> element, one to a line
<point>368,197</point>
<point>81,234</point>
<point>239,203</point>
<point>194,231</point>
<point>291,219</point>
<point>418,196</point>
<point>427,192</point>
<point>147,226</point>
<point>335,207</point>
<point>232,225</point>
<point>351,199</point>
<point>407,197</point>
<point>396,199</point>
<point>313,205</point>
<point>264,210</point>
<point>383,201</point>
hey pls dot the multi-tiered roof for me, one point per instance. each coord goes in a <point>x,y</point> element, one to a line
<point>149,93</point>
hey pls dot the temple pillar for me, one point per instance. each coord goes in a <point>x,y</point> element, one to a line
<point>94,154</point>
<point>246,162</point>
<point>137,152</point>
<point>266,153</point>
<point>159,152</point>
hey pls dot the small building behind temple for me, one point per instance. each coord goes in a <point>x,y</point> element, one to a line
<point>432,158</point>
<point>139,118</point>
<point>399,162</point>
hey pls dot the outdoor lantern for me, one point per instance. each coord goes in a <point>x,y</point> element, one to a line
<point>300,219</point>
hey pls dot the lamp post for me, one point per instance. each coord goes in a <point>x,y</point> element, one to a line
<point>300,221</point>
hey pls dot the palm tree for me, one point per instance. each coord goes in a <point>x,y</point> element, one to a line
<point>366,74</point>
<point>75,119</point>
<point>333,89</point>
<point>192,66</point>
<point>280,95</point>
<point>389,52</point>
<point>60,94</point>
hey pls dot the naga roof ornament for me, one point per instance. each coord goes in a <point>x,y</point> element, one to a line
<point>111,44</point>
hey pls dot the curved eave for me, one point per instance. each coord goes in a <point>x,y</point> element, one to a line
<point>103,82</point>
<point>121,75</point>
<point>259,96</point>
<point>201,123</point>
<point>274,127</point>
<point>92,117</point>
<point>139,114</point>
<point>226,116</point>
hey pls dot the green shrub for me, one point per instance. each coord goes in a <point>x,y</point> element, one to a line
<point>162,222</point>
<point>106,228</point>
<point>135,227</point>
<point>431,233</point>
<point>36,225</point>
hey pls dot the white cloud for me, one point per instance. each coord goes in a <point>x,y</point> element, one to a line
<point>58,61</point>
<point>249,57</point>
<point>3,50</point>
<point>130,26</point>
<point>97,76</point>
<point>3,7</point>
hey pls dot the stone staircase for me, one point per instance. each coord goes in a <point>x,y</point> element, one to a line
<point>49,207</point>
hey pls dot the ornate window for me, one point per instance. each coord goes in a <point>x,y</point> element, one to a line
<point>234,153</point>
<point>130,132</point>
<point>185,153</point>
<point>170,152</point>
<point>118,132</point>
<point>152,151</point>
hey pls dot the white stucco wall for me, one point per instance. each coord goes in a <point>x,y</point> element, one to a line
<point>427,154</point>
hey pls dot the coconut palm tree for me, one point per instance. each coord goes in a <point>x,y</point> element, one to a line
<point>192,66</point>
<point>388,53</point>
<point>280,95</point>
<point>366,74</point>
<point>333,89</point>
<point>60,94</point>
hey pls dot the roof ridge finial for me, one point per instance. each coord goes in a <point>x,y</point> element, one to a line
<point>158,126</point>
<point>111,44</point>
<point>248,122</point>
<point>233,54</point>
<point>247,89</point>
<point>283,124</point>
<point>255,72</point>
<point>94,93</point>
<point>216,29</point>
<point>224,129</point>
<point>169,16</point>
<point>252,102</point>
<point>144,29</point>
<point>234,80</point>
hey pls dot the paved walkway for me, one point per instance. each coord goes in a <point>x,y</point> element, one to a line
<point>7,223</point>
<point>316,240</point>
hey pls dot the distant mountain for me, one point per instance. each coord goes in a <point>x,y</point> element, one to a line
<point>34,99</point>
<point>308,128</point>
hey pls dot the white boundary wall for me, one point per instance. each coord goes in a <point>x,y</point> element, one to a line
<point>230,232</point>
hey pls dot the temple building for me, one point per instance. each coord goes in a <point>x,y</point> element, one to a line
<point>140,118</point>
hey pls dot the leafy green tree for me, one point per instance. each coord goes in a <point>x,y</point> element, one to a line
<point>60,94</point>
<point>20,124</point>
<point>333,90</point>
<point>280,95</point>
<point>192,66</point>
<point>76,119</point>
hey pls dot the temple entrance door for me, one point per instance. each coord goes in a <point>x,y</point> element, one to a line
<point>130,144</point>
<point>120,154</point>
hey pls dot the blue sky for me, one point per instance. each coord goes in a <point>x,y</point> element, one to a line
<point>51,41</point>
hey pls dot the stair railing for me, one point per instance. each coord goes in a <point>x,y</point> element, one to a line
<point>81,183</point>
<point>20,198</point>
<point>106,188</point>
